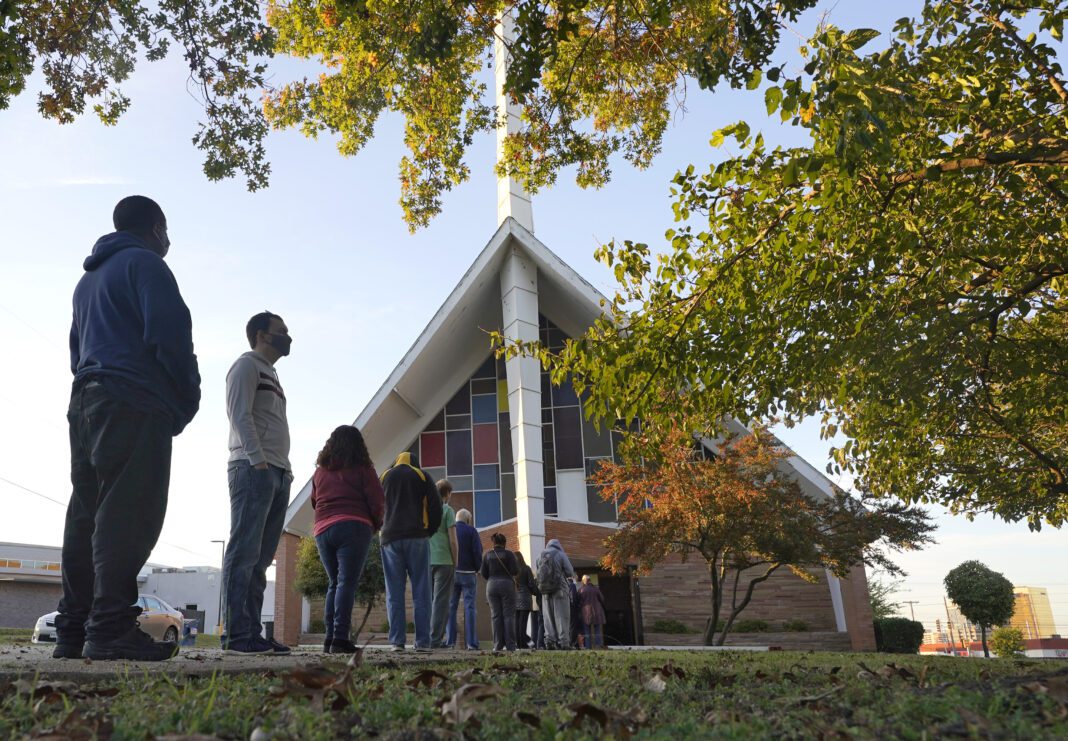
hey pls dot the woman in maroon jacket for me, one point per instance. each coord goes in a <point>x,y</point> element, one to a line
<point>349,505</point>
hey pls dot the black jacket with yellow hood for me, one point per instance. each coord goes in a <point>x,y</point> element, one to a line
<point>413,505</point>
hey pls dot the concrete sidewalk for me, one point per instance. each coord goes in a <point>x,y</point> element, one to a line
<point>27,661</point>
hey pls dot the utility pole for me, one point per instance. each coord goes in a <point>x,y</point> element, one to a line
<point>910,603</point>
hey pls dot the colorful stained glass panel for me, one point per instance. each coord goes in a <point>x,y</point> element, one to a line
<point>485,439</point>
<point>432,449</point>
<point>484,409</point>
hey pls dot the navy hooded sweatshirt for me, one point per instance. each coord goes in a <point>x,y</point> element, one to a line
<point>132,330</point>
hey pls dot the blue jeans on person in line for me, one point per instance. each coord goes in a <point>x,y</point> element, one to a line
<point>258,500</point>
<point>343,550</point>
<point>403,559</point>
<point>598,636</point>
<point>464,585</point>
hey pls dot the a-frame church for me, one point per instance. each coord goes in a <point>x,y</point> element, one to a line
<point>518,450</point>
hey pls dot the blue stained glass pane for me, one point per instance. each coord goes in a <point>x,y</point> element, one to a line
<point>484,409</point>
<point>487,477</point>
<point>487,508</point>
<point>458,452</point>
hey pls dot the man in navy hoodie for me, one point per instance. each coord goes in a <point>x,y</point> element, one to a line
<point>136,386</point>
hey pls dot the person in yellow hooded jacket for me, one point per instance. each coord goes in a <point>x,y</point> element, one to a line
<point>413,514</point>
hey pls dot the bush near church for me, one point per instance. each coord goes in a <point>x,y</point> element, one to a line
<point>898,635</point>
<point>1007,643</point>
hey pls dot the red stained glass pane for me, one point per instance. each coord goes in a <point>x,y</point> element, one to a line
<point>433,449</point>
<point>485,443</point>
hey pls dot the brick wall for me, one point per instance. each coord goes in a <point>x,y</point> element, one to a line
<point>818,641</point>
<point>682,591</point>
<point>21,602</point>
<point>287,601</point>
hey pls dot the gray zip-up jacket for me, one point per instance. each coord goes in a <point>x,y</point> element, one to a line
<point>256,407</point>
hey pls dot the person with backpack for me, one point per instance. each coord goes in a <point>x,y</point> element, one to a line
<point>554,569</point>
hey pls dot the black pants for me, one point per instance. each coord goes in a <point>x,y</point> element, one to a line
<point>120,468</point>
<point>522,618</point>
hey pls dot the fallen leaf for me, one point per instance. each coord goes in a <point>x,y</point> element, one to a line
<point>655,683</point>
<point>460,708</point>
<point>427,678</point>
<point>811,698</point>
<point>529,718</point>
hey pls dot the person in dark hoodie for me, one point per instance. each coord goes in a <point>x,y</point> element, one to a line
<point>136,386</point>
<point>413,514</point>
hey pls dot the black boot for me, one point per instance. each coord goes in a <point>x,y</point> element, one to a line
<point>134,645</point>
<point>342,646</point>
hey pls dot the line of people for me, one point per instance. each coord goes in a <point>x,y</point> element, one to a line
<point>426,543</point>
<point>137,386</point>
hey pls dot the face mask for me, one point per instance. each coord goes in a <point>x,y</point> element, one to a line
<point>164,240</point>
<point>281,343</point>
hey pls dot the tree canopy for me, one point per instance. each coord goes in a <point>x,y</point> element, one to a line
<point>902,276</point>
<point>86,49</point>
<point>983,596</point>
<point>744,514</point>
<point>595,77</point>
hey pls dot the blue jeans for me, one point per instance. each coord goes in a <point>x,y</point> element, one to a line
<point>408,558</point>
<point>343,551</point>
<point>464,585</point>
<point>597,636</point>
<point>258,500</point>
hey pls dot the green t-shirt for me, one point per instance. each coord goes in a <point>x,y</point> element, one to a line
<point>440,555</point>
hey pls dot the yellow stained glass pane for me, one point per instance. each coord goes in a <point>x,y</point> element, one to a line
<point>502,396</point>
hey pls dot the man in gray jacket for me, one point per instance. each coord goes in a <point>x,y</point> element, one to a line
<point>554,569</point>
<point>260,477</point>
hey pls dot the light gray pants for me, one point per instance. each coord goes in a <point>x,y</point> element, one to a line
<point>442,577</point>
<point>556,612</point>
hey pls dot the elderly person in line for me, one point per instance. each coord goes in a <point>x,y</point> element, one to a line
<point>592,602</point>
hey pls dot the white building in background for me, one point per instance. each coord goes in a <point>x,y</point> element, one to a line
<point>31,585</point>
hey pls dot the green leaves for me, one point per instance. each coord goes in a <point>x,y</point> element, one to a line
<point>904,274</point>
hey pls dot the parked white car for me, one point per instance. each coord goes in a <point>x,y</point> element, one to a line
<point>158,619</point>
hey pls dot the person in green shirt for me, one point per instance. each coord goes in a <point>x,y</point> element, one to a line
<point>442,566</point>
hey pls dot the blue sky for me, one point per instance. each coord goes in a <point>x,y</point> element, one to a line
<point>326,248</point>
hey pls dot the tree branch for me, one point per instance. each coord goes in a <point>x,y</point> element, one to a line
<point>1029,158</point>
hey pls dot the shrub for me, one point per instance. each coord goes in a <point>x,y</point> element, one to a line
<point>751,626</point>
<point>795,626</point>
<point>670,626</point>
<point>1007,643</point>
<point>898,635</point>
<point>317,626</point>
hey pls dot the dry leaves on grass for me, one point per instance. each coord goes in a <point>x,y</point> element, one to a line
<point>427,678</point>
<point>461,707</point>
<point>611,722</point>
<point>78,726</point>
<point>317,683</point>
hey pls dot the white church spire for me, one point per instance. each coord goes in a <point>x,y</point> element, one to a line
<point>512,198</point>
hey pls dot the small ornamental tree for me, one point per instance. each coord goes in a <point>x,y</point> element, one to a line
<point>879,596</point>
<point>311,579</point>
<point>1007,642</point>
<point>983,596</point>
<point>743,515</point>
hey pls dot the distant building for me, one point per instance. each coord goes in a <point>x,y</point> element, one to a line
<point>31,585</point>
<point>1033,615</point>
<point>958,628</point>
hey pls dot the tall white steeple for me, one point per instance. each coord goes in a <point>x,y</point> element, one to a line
<point>512,199</point>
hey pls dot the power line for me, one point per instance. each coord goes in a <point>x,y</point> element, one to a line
<point>64,504</point>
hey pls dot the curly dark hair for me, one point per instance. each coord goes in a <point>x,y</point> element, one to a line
<point>344,449</point>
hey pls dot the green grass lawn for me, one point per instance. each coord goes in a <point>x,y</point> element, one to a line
<point>668,695</point>
<point>15,635</point>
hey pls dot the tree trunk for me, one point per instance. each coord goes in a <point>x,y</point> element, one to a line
<point>366,614</point>
<point>982,632</point>
<point>709,636</point>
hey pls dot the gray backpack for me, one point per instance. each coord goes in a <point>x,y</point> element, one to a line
<point>550,574</point>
